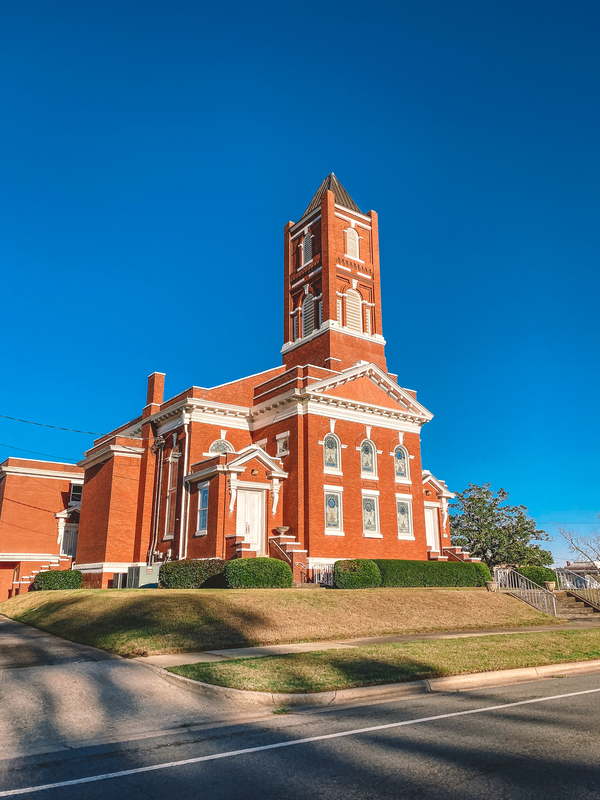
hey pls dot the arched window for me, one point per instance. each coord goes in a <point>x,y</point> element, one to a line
<point>353,311</point>
<point>352,243</point>
<point>221,446</point>
<point>401,462</point>
<point>368,460</point>
<point>307,249</point>
<point>331,453</point>
<point>308,315</point>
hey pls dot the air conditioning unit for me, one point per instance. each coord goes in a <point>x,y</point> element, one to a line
<point>138,577</point>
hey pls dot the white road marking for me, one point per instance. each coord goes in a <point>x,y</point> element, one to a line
<point>246,751</point>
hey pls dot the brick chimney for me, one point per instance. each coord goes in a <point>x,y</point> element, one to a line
<point>156,390</point>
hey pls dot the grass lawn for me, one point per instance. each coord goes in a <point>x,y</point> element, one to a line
<point>327,670</point>
<point>133,622</point>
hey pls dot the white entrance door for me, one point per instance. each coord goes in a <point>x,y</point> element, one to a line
<point>431,529</point>
<point>250,518</point>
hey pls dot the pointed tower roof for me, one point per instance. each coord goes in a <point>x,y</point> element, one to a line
<point>342,197</point>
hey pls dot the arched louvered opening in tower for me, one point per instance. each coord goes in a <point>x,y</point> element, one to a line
<point>308,315</point>
<point>307,249</point>
<point>353,311</point>
<point>352,243</point>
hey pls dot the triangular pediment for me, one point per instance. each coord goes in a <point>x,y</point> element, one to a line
<point>439,486</point>
<point>252,452</point>
<point>370,385</point>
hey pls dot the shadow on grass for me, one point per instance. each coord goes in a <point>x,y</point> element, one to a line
<point>165,621</point>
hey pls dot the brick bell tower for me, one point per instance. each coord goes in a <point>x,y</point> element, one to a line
<point>332,296</point>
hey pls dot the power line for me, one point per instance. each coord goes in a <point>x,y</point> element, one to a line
<point>35,452</point>
<point>43,425</point>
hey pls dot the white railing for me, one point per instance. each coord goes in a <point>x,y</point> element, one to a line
<point>322,573</point>
<point>511,582</point>
<point>584,586</point>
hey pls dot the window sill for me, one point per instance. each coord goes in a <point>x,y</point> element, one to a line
<point>373,535</point>
<point>405,481</point>
<point>169,538</point>
<point>368,476</point>
<point>200,533</point>
<point>337,472</point>
<point>334,533</point>
<point>284,453</point>
<point>406,538</point>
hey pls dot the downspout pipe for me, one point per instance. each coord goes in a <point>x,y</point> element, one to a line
<point>183,544</point>
<point>158,449</point>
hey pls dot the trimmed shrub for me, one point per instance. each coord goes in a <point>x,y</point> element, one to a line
<point>483,572</point>
<point>538,574</point>
<point>356,573</point>
<point>57,579</point>
<point>191,574</point>
<point>258,573</point>
<point>397,572</point>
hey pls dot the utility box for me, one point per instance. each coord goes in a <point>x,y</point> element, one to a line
<point>138,577</point>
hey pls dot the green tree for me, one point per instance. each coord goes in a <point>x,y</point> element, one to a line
<point>498,534</point>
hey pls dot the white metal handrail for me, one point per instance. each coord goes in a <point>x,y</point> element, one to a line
<point>584,586</point>
<point>322,573</point>
<point>512,582</point>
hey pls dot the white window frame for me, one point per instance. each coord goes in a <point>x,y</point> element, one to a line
<point>371,494</point>
<point>202,531</point>
<point>339,491</point>
<point>406,498</point>
<point>331,470</point>
<point>368,475</point>
<point>399,478</point>
<point>73,502</point>
<point>281,439</point>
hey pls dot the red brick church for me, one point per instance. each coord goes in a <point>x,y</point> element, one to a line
<point>312,461</point>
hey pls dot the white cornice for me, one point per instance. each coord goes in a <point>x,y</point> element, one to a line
<point>109,451</point>
<point>412,408</point>
<point>74,477</point>
<point>305,221</point>
<point>53,557</point>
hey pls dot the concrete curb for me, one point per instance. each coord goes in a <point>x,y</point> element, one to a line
<point>391,691</point>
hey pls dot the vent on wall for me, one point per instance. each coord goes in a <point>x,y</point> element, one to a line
<point>353,311</point>
<point>308,315</point>
<point>352,243</point>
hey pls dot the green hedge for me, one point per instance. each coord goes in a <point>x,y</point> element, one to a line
<point>190,574</point>
<point>258,573</point>
<point>538,574</point>
<point>57,579</point>
<point>395,572</point>
<point>356,573</point>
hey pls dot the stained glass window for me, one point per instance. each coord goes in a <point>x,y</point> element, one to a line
<point>332,511</point>
<point>370,515</point>
<point>400,462</point>
<point>404,519</point>
<point>331,450</point>
<point>221,446</point>
<point>367,457</point>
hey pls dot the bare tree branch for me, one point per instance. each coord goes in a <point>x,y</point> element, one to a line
<point>587,546</point>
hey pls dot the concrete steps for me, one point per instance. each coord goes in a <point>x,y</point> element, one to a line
<point>571,607</point>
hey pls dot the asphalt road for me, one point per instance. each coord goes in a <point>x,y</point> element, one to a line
<point>479,744</point>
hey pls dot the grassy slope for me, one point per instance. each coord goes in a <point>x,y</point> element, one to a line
<point>391,663</point>
<point>149,621</point>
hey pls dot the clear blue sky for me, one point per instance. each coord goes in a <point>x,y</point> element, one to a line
<point>151,153</point>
